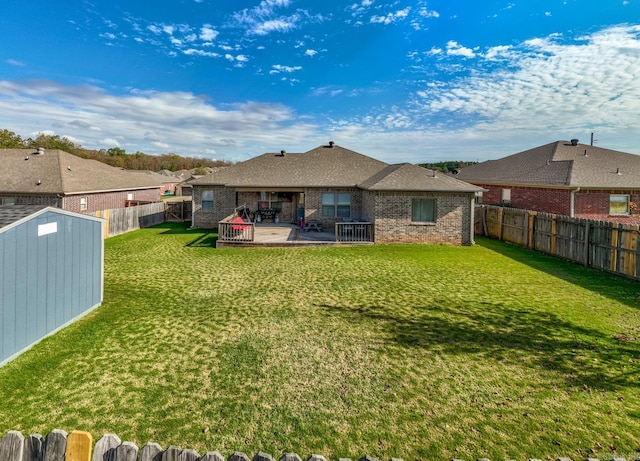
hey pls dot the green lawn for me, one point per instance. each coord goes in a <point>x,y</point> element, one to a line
<point>416,352</point>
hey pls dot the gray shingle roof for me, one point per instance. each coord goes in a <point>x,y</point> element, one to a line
<point>12,213</point>
<point>59,172</point>
<point>330,166</point>
<point>560,164</point>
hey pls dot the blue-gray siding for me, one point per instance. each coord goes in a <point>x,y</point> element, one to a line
<point>49,280</point>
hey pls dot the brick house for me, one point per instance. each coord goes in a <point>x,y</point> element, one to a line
<point>563,177</point>
<point>329,184</point>
<point>59,179</point>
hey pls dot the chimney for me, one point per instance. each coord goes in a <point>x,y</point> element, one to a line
<point>331,143</point>
<point>574,142</point>
<point>41,150</point>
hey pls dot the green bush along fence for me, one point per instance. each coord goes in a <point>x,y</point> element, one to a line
<point>607,246</point>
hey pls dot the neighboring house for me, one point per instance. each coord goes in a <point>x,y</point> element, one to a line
<point>51,272</point>
<point>329,184</point>
<point>564,177</point>
<point>57,178</point>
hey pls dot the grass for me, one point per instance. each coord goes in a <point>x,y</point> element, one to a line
<point>417,352</point>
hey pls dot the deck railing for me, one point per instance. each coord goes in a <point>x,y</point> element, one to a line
<point>354,232</point>
<point>236,232</point>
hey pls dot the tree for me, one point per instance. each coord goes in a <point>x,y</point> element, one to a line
<point>10,140</point>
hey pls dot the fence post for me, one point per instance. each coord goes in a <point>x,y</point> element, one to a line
<point>587,243</point>
<point>500,221</point>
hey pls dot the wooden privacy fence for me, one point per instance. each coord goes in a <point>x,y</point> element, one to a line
<point>121,220</point>
<point>607,246</point>
<point>78,446</point>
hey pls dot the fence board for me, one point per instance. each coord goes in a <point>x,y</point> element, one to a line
<point>55,445</point>
<point>126,451</point>
<point>150,452</point>
<point>12,446</point>
<point>601,245</point>
<point>105,448</point>
<point>33,448</point>
<point>79,445</point>
<point>121,220</point>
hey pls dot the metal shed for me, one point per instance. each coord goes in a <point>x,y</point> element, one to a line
<point>51,273</point>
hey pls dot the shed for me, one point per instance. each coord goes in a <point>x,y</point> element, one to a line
<point>51,273</point>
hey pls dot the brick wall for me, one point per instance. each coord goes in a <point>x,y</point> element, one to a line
<point>313,205</point>
<point>589,204</point>
<point>393,219</point>
<point>95,202</point>
<point>224,204</point>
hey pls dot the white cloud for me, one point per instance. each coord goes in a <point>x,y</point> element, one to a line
<point>310,53</point>
<point>111,142</point>
<point>14,62</point>
<point>277,68</point>
<point>149,121</point>
<point>208,33</point>
<point>274,25</point>
<point>455,49</point>
<point>391,17</point>
<point>550,87</point>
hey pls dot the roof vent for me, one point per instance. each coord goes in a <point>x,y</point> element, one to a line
<point>618,172</point>
<point>41,150</point>
<point>585,153</point>
<point>574,142</point>
<point>38,182</point>
<point>281,154</point>
<point>26,158</point>
<point>331,143</point>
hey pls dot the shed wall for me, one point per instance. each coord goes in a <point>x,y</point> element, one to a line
<point>47,281</point>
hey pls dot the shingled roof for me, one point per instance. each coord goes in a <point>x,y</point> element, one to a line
<point>57,172</point>
<point>13,213</point>
<point>559,164</point>
<point>330,166</point>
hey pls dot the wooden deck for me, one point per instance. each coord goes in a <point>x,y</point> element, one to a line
<point>285,235</point>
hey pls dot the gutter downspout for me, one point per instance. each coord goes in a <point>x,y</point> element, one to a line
<point>572,204</point>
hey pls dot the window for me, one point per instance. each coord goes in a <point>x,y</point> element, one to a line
<point>207,200</point>
<point>7,200</point>
<point>618,204</point>
<point>423,210</point>
<point>506,196</point>
<point>479,197</point>
<point>129,195</point>
<point>83,203</point>
<point>269,200</point>
<point>336,205</point>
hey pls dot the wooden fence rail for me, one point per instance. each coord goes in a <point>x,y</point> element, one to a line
<point>602,245</point>
<point>78,446</point>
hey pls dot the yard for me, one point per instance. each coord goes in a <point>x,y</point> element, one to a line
<point>415,352</point>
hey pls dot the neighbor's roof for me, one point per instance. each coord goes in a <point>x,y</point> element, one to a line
<point>13,215</point>
<point>59,172</point>
<point>560,164</point>
<point>330,166</point>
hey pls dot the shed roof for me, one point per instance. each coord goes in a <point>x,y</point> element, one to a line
<point>58,172</point>
<point>560,164</point>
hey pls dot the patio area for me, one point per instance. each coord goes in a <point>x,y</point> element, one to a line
<point>282,235</point>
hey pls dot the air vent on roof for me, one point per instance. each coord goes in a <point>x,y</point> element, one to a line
<point>574,142</point>
<point>282,153</point>
<point>331,143</point>
<point>40,150</point>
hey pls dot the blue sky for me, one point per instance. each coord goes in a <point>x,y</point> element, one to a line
<point>401,81</point>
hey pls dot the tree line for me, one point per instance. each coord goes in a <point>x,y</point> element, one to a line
<point>451,166</point>
<point>113,156</point>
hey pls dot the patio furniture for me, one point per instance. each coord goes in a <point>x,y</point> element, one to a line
<point>317,225</point>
